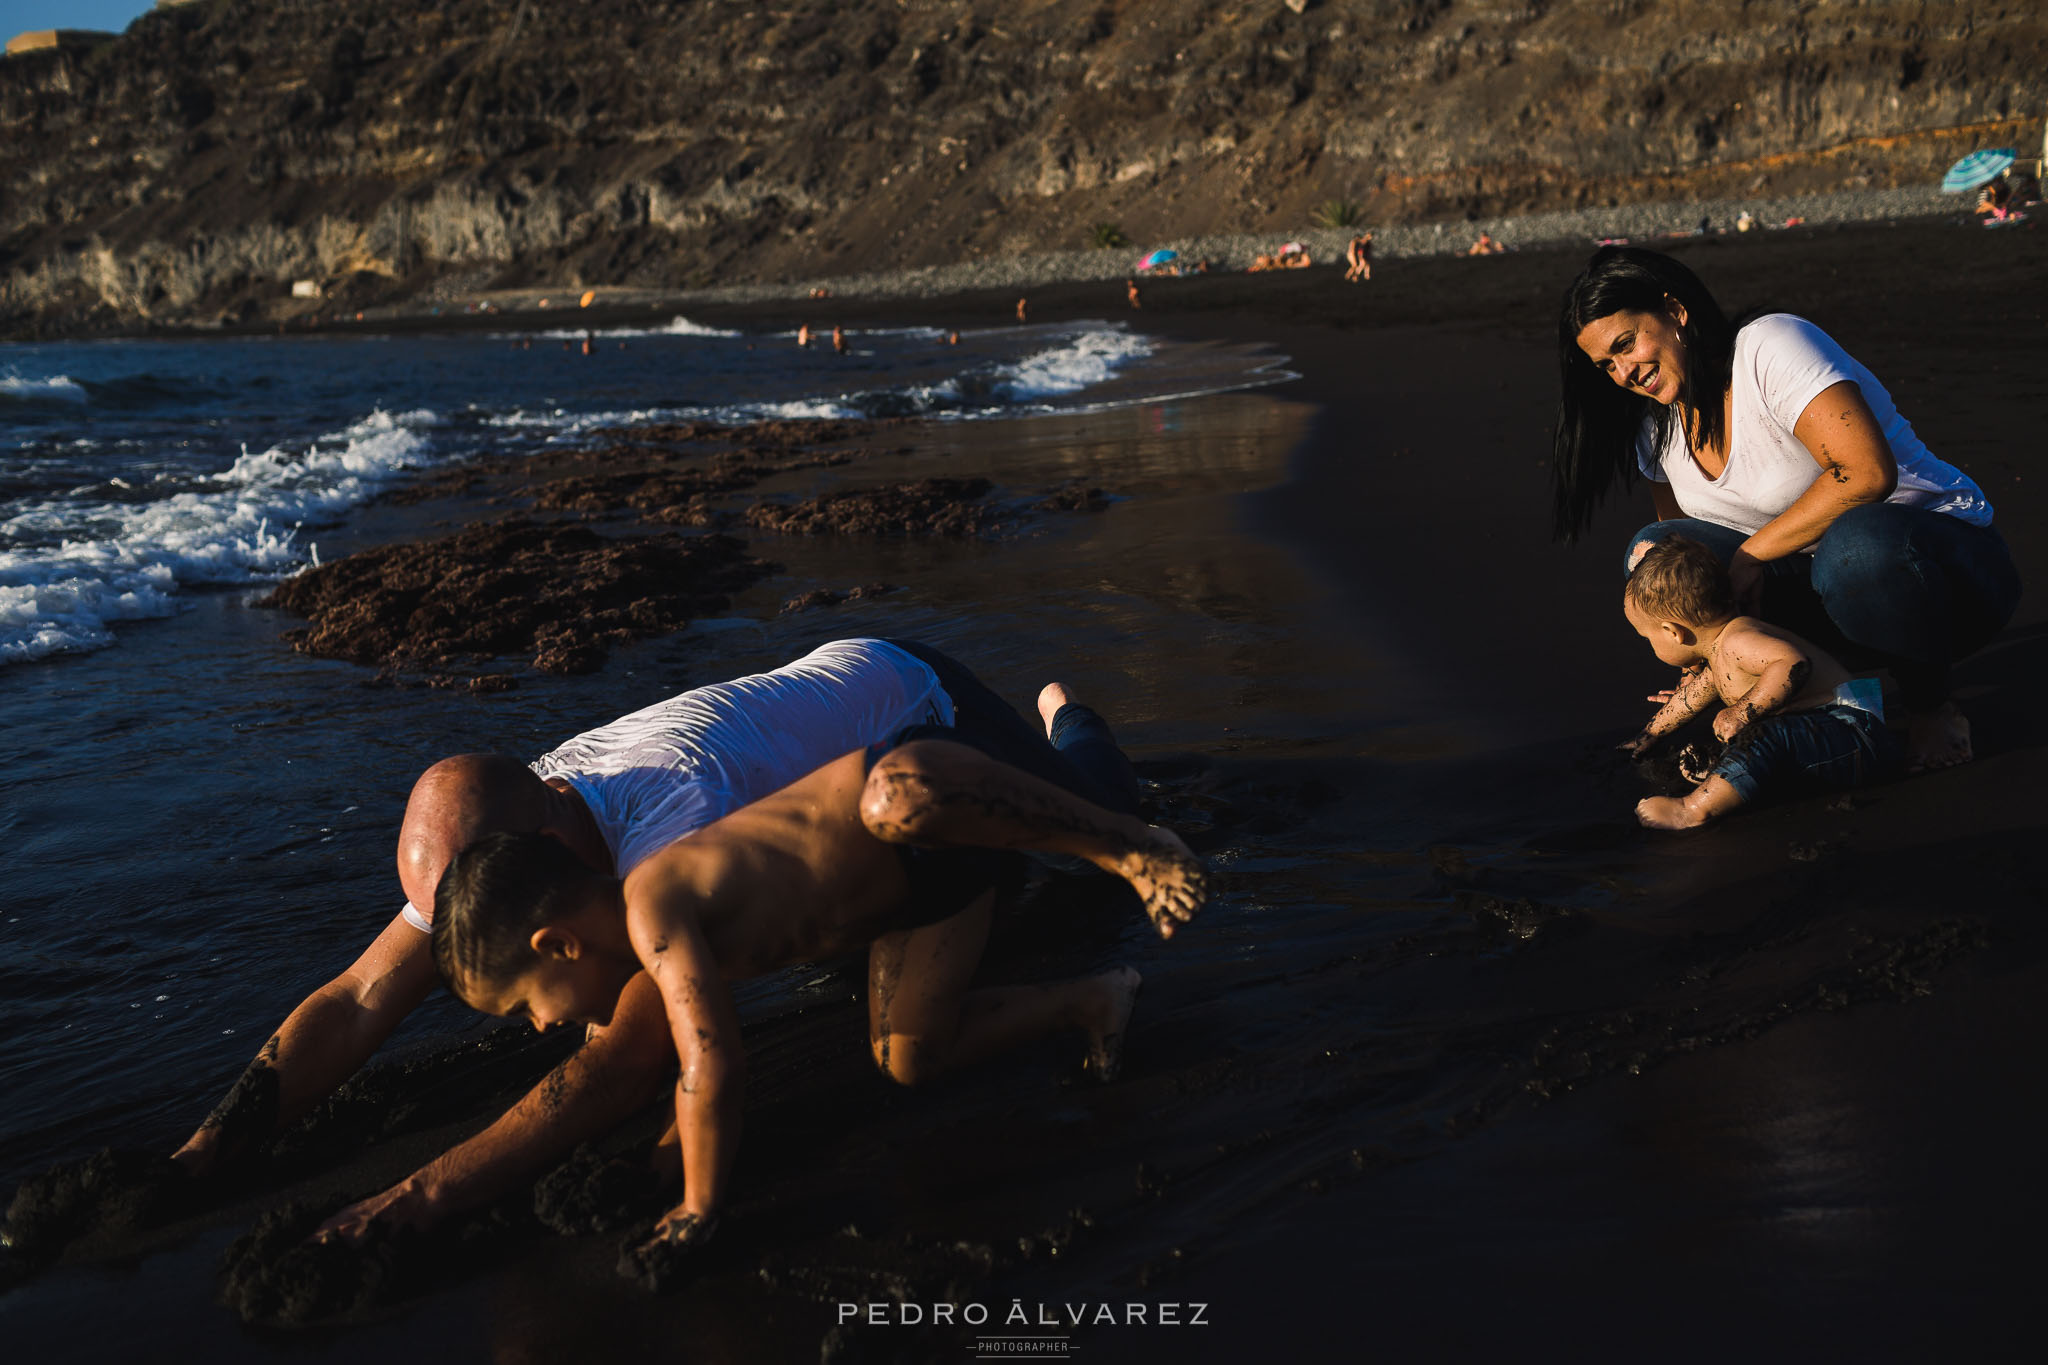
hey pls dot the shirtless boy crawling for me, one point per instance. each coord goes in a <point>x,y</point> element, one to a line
<point>1793,716</point>
<point>899,848</point>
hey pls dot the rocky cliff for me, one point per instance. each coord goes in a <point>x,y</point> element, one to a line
<point>193,168</point>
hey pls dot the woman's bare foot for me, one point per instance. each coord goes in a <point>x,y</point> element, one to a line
<point>1167,876</point>
<point>1937,739</point>
<point>1050,699</point>
<point>1106,1037</point>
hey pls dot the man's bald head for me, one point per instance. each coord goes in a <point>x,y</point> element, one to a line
<point>457,802</point>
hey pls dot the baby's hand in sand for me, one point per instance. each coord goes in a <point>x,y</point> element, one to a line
<point>661,1261</point>
<point>1640,745</point>
<point>1730,722</point>
<point>401,1206</point>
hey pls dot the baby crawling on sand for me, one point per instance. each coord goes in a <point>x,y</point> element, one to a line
<point>899,848</point>
<point>1792,717</point>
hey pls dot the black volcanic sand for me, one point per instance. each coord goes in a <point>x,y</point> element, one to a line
<point>1460,1063</point>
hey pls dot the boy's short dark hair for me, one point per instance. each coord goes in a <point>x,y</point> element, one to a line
<point>493,897</point>
<point>1682,580</point>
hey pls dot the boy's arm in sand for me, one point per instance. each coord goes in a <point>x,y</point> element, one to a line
<point>662,921</point>
<point>321,1044</point>
<point>614,1073</point>
<point>1694,693</point>
<point>1779,666</point>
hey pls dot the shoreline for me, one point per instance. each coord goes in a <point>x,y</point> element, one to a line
<point>972,285</point>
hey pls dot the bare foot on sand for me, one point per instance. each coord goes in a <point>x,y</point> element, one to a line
<point>1937,739</point>
<point>1664,812</point>
<point>1050,699</point>
<point>1106,1037</point>
<point>1168,877</point>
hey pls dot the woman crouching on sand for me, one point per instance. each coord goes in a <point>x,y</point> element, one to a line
<point>1770,445</point>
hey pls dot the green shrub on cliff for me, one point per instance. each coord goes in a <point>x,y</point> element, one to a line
<point>1108,235</point>
<point>1335,213</point>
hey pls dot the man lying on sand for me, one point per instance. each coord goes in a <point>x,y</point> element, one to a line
<point>1793,718</point>
<point>900,848</point>
<point>612,797</point>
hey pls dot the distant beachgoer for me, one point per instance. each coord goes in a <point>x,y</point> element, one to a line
<point>1358,259</point>
<point>1022,310</point>
<point>1131,293</point>
<point>1745,221</point>
<point>838,340</point>
<point>821,292</point>
<point>952,338</point>
<point>902,848</point>
<point>1995,198</point>
<point>1706,226</point>
<point>1485,246</point>
<point>1770,445</point>
<point>1792,716</point>
<point>1259,262</point>
<point>586,343</point>
<point>803,335</point>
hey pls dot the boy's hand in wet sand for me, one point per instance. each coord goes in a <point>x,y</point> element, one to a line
<point>659,1262</point>
<point>1168,877</point>
<point>404,1205</point>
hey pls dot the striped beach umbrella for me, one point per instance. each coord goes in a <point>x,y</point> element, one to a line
<point>1159,257</point>
<point>1978,168</point>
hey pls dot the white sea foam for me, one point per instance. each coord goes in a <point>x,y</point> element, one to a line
<point>677,326</point>
<point>1085,360</point>
<point>72,567</point>
<point>62,388</point>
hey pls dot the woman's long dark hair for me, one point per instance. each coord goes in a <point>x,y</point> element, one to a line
<point>1598,420</point>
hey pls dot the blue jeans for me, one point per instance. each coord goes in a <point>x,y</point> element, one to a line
<point>1831,747</point>
<point>1888,586</point>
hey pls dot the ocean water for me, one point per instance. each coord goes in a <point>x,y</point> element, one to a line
<point>133,472</point>
<point>198,822</point>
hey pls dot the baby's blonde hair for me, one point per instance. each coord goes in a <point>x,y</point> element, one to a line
<point>1682,580</point>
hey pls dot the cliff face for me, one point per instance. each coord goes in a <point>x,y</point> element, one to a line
<point>216,151</point>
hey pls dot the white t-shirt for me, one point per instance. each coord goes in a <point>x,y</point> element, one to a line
<point>1782,363</point>
<point>668,770</point>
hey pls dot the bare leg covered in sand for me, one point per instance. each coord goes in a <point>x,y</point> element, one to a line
<point>934,793</point>
<point>1712,798</point>
<point>924,1022</point>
